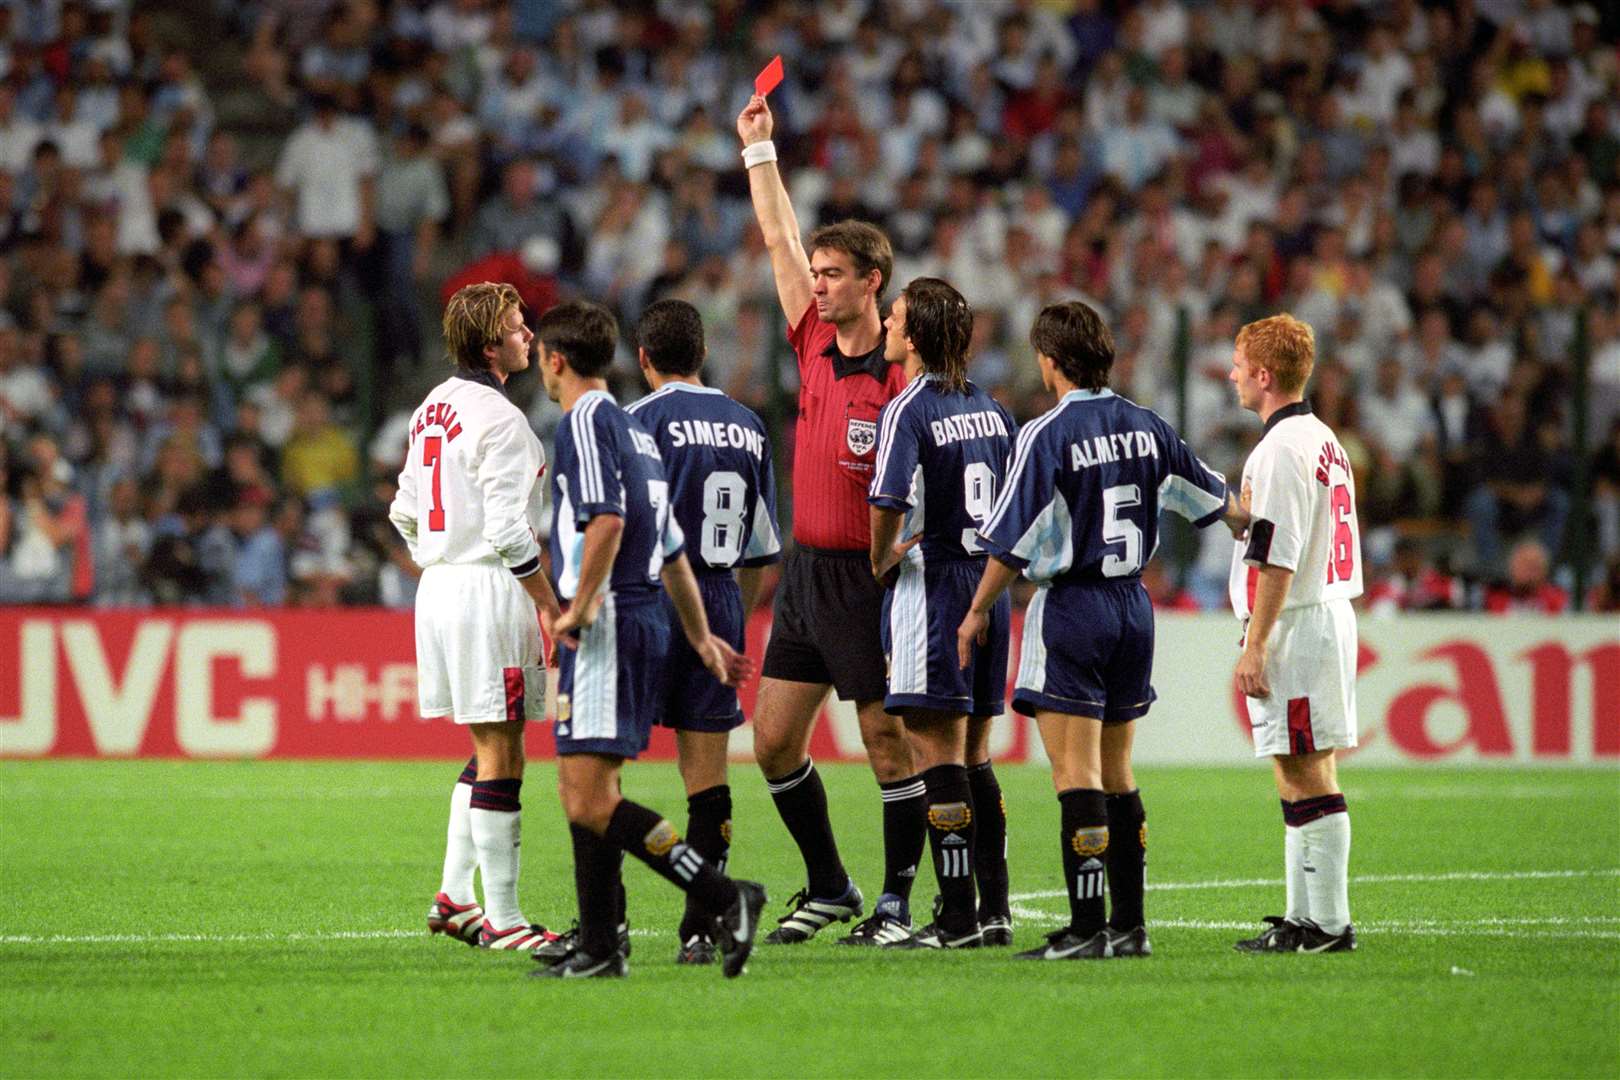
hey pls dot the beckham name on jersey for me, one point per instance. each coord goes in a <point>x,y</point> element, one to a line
<point>978,425</point>
<point>714,433</point>
<point>440,413</point>
<point>1114,447</point>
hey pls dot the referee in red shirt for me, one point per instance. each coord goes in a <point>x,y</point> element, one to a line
<point>825,629</point>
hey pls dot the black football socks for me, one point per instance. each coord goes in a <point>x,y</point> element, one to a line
<point>951,832</point>
<point>1127,859</point>
<point>708,831</point>
<point>1085,845</point>
<point>802,802</point>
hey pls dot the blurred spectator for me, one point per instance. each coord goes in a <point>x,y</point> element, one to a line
<point>192,558</point>
<point>259,571</point>
<point>1413,583</point>
<point>328,168</point>
<point>1527,587</point>
<point>121,543</point>
<point>320,456</point>
<point>1516,492</point>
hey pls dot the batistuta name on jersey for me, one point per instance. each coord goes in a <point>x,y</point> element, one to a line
<point>714,433</point>
<point>976,425</point>
<point>1115,446</point>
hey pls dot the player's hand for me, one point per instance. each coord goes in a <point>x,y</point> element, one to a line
<point>548,624</point>
<point>975,630</point>
<point>755,123</point>
<point>1251,672</point>
<point>725,663</point>
<point>580,614</point>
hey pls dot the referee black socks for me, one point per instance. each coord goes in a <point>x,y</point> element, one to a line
<point>647,836</point>
<point>1085,846</point>
<point>989,841</point>
<point>1127,859</point>
<point>951,829</point>
<point>708,830</point>
<point>802,802</point>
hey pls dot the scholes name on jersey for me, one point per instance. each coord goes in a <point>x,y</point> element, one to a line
<point>1116,446</point>
<point>977,425</point>
<point>437,413</point>
<point>714,433</point>
<point>1330,456</point>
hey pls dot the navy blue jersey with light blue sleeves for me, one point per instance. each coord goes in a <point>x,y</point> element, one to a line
<point>942,460</point>
<point>721,483</point>
<point>1087,482</point>
<point>607,463</point>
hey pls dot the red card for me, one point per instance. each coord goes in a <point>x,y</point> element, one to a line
<point>770,78</point>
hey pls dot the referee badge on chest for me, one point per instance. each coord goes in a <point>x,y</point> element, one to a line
<point>860,435</point>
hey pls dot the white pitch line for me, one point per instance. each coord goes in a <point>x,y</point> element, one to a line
<point>1549,928</point>
<point>1488,927</point>
<point>1365,879</point>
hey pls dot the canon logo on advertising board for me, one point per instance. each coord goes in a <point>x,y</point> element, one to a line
<point>298,684</point>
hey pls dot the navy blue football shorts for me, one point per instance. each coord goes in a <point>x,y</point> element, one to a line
<point>1087,651</point>
<point>920,617</point>
<point>610,689</point>
<point>694,700</point>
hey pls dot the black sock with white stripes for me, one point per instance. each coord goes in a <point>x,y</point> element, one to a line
<point>802,802</point>
<point>1127,860</point>
<point>1085,846</point>
<point>597,885</point>
<point>654,841</point>
<point>951,830</point>
<point>708,830</point>
<point>989,841</point>
<point>905,831</point>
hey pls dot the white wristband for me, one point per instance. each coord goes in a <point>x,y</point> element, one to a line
<point>758,153</point>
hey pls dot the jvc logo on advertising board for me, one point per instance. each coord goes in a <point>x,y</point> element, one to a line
<point>119,707</point>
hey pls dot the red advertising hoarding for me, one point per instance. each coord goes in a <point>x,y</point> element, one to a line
<point>192,683</point>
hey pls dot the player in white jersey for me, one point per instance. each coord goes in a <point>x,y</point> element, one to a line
<point>1293,578</point>
<point>468,506</point>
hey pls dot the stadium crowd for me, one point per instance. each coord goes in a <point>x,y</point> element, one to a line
<point>224,241</point>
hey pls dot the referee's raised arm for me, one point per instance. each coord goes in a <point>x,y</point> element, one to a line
<point>773,209</point>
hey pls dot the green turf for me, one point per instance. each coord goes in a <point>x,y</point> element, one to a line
<point>1513,971</point>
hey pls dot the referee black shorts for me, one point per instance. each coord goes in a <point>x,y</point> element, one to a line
<point>825,627</point>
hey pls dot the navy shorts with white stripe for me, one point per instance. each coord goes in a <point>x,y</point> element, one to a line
<point>920,617</point>
<point>610,689</point>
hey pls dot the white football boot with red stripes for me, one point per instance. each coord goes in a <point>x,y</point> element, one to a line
<point>463,922</point>
<point>518,939</point>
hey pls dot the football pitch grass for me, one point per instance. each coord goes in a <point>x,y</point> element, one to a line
<point>266,919</point>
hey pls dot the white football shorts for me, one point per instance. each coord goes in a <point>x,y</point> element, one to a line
<point>1311,668</point>
<point>478,653</point>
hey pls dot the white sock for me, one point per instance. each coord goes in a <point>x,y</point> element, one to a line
<point>1327,870</point>
<point>498,834</point>
<point>460,855</point>
<point>1299,901</point>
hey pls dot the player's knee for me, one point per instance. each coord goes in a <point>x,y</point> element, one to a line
<point>585,809</point>
<point>890,754</point>
<point>1117,777</point>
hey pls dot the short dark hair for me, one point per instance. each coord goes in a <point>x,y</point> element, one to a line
<point>940,326</point>
<point>672,333</point>
<point>583,332</point>
<point>1077,340</point>
<point>866,245</point>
